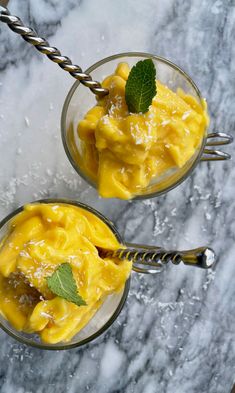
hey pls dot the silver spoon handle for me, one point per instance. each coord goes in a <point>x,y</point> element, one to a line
<point>52,53</point>
<point>147,259</point>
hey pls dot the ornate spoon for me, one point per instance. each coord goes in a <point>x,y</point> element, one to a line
<point>150,259</point>
<point>52,53</point>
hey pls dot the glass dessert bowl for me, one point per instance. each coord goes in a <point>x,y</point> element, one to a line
<point>65,272</point>
<point>99,322</point>
<point>79,101</point>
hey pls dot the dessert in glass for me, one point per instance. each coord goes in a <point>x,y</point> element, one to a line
<point>35,240</point>
<point>136,155</point>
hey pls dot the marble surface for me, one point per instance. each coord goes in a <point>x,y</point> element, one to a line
<point>176,332</point>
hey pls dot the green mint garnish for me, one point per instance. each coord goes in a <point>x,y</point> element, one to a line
<point>63,284</point>
<point>141,86</point>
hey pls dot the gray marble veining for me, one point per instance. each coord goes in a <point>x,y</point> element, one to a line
<point>176,332</point>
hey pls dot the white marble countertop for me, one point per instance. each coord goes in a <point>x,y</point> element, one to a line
<point>176,332</point>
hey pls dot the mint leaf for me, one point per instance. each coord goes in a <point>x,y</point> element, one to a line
<point>63,284</point>
<point>141,86</point>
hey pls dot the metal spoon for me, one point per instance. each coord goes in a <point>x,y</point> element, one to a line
<point>52,53</point>
<point>150,259</point>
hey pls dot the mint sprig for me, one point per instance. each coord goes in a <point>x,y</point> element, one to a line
<point>141,86</point>
<point>63,284</point>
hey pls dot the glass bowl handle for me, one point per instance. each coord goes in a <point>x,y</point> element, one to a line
<point>42,45</point>
<point>216,139</point>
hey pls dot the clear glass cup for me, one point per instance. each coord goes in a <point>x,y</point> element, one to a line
<point>101,321</point>
<point>79,100</point>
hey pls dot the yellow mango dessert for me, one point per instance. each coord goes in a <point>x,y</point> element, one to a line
<point>124,152</point>
<point>41,238</point>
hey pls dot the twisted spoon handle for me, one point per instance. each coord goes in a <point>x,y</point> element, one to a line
<point>52,53</point>
<point>148,259</point>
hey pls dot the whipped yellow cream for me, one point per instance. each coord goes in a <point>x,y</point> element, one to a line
<point>122,152</point>
<point>40,238</point>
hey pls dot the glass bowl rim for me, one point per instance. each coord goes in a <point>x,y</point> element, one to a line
<point>17,335</point>
<point>76,85</point>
